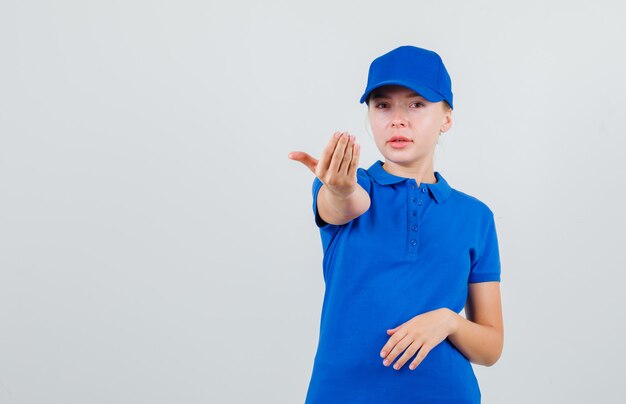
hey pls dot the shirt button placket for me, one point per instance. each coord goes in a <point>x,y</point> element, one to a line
<point>414,203</point>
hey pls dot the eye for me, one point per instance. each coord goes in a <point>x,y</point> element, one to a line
<point>418,104</point>
<point>381,105</point>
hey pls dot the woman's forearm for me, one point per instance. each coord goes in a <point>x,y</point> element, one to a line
<point>480,344</point>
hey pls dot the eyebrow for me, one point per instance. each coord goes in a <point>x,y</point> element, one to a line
<point>380,94</point>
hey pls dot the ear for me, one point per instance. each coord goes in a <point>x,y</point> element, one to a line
<point>446,122</point>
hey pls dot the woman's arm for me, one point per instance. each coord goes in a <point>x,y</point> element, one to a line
<point>480,337</point>
<point>341,198</point>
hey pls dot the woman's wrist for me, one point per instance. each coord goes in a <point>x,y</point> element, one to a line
<point>453,321</point>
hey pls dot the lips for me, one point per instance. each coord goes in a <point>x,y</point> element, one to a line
<point>400,139</point>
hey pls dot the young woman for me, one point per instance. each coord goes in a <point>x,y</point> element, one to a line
<point>404,253</point>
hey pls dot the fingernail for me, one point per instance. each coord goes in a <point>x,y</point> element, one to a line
<point>338,134</point>
<point>383,354</point>
<point>385,362</point>
<point>412,367</point>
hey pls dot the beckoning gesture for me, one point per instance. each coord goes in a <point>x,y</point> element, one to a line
<point>338,165</point>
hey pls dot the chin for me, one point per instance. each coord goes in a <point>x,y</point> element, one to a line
<point>404,159</point>
<point>396,158</point>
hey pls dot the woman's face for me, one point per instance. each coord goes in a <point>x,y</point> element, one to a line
<point>398,111</point>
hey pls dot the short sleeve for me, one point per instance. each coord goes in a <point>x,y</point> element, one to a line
<point>317,184</point>
<point>486,265</point>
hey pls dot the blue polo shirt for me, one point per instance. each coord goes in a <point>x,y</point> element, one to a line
<point>415,250</point>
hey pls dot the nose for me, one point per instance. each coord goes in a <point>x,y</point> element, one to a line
<point>398,119</point>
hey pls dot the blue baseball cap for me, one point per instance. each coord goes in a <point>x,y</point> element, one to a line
<point>419,69</point>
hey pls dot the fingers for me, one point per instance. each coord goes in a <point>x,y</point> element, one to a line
<point>424,350</point>
<point>327,155</point>
<point>391,343</point>
<point>408,346</point>
<point>394,347</point>
<point>408,353</point>
<point>337,157</point>
<point>344,168</point>
<point>354,163</point>
<point>416,346</point>
<point>421,349</point>
<point>305,159</point>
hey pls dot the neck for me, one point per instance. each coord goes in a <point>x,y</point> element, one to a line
<point>419,171</point>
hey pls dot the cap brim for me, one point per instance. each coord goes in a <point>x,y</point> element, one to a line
<point>426,92</point>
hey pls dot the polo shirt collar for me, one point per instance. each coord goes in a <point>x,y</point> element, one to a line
<point>440,190</point>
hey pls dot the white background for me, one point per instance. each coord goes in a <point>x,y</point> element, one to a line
<point>158,246</point>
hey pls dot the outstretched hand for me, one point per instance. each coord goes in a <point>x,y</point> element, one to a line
<point>420,334</point>
<point>337,166</point>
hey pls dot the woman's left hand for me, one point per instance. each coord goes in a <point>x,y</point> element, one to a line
<point>422,332</point>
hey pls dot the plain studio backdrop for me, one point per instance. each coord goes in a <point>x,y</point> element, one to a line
<point>158,246</point>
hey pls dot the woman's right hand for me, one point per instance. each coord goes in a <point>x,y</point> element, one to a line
<point>338,165</point>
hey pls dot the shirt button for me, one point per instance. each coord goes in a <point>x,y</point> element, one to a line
<point>414,228</point>
<point>413,199</point>
<point>419,203</point>
<point>414,213</point>
<point>423,189</point>
<point>413,242</point>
